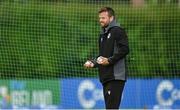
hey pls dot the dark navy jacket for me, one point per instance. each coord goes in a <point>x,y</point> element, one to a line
<point>113,44</point>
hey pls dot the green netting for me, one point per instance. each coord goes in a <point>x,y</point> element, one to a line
<point>53,39</point>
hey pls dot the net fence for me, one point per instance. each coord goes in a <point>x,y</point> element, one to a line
<point>47,40</point>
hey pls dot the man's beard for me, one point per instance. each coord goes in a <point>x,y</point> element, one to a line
<point>104,26</point>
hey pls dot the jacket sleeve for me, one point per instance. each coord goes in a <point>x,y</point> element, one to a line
<point>121,48</point>
<point>94,61</point>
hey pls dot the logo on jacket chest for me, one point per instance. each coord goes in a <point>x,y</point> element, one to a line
<point>108,36</point>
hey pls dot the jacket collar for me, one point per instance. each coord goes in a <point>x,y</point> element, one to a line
<point>111,24</point>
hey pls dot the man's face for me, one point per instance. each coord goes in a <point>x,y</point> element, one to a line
<point>104,19</point>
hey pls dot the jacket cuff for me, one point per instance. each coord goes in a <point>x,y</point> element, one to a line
<point>95,63</point>
<point>110,61</point>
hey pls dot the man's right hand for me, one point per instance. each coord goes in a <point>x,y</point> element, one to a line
<point>88,64</point>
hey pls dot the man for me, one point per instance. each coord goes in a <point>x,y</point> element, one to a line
<point>113,48</point>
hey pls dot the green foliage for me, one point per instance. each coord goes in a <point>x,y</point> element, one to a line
<point>54,40</point>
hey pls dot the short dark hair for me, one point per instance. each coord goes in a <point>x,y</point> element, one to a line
<point>109,10</point>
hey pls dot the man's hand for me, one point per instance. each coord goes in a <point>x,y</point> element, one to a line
<point>88,64</point>
<point>102,60</point>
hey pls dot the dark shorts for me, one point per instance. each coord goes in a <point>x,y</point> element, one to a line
<point>112,91</point>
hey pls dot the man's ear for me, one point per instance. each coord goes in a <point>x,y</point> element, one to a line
<point>111,18</point>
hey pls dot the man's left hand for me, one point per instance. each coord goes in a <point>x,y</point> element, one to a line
<point>102,60</point>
